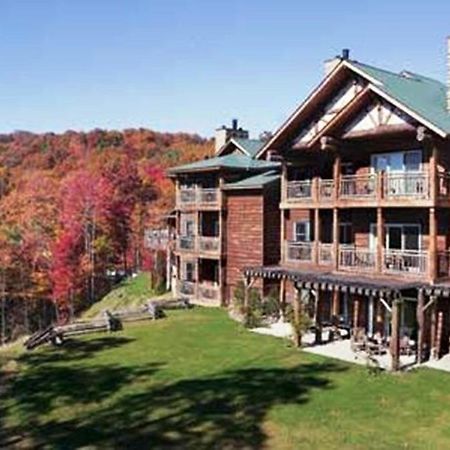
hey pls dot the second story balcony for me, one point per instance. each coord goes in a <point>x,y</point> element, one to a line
<point>203,245</point>
<point>382,187</point>
<point>197,198</point>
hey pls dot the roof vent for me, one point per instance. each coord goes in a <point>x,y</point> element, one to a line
<point>345,54</point>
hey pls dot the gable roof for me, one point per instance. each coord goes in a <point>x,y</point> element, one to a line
<point>232,161</point>
<point>247,146</point>
<point>255,182</point>
<point>422,98</point>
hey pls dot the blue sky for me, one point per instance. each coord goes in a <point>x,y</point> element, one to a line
<point>190,66</point>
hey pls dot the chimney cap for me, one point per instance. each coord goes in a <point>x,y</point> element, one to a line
<point>345,53</point>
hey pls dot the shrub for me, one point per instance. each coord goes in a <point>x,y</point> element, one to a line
<point>300,324</point>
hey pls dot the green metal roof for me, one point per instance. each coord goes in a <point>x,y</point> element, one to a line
<point>251,146</point>
<point>255,182</point>
<point>232,161</point>
<point>422,95</point>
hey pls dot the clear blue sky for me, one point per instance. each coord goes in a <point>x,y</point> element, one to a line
<point>178,65</point>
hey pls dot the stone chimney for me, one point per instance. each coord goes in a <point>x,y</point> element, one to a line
<point>224,134</point>
<point>330,64</point>
<point>448,73</point>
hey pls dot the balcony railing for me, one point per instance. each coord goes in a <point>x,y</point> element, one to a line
<point>326,190</point>
<point>299,251</point>
<point>186,243</point>
<point>299,190</point>
<point>405,261</point>
<point>358,186</point>
<point>186,288</point>
<point>355,258</point>
<point>209,244</point>
<point>208,292</point>
<point>198,196</point>
<point>443,264</point>
<point>325,254</point>
<point>406,184</point>
<point>443,181</point>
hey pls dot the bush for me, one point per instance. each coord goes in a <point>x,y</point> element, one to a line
<point>252,313</point>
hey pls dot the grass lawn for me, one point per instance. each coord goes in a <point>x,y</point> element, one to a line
<point>131,293</point>
<point>197,380</point>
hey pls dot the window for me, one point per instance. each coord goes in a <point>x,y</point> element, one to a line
<point>398,236</point>
<point>407,161</point>
<point>301,231</point>
<point>189,227</point>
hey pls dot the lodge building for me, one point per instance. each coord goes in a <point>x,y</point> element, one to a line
<point>346,205</point>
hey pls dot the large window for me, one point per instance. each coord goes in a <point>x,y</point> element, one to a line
<point>407,161</point>
<point>301,232</point>
<point>398,236</point>
<point>345,233</point>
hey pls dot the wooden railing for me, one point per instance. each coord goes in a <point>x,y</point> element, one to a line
<point>198,196</point>
<point>443,264</point>
<point>325,254</point>
<point>405,261</point>
<point>187,288</point>
<point>208,292</point>
<point>358,186</point>
<point>326,190</point>
<point>299,251</point>
<point>356,258</point>
<point>443,184</point>
<point>406,184</point>
<point>299,190</point>
<point>186,243</point>
<point>209,244</point>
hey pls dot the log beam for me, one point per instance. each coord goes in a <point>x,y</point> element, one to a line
<point>395,335</point>
<point>421,325</point>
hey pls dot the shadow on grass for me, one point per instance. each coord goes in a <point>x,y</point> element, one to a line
<point>226,411</point>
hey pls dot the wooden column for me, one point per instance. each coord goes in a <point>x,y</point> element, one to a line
<point>421,325</point>
<point>439,330</point>
<point>379,316</point>
<point>336,238</point>
<point>380,240</point>
<point>318,316</point>
<point>336,176</point>
<point>433,171</point>
<point>433,326</point>
<point>355,313</point>
<point>298,310</point>
<point>282,212</point>
<point>395,335</point>
<point>316,235</point>
<point>335,304</point>
<point>282,298</point>
<point>432,246</point>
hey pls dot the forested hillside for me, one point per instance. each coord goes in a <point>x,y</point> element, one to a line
<point>73,207</point>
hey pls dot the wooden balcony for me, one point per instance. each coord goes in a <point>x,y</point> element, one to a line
<point>405,262</point>
<point>299,251</point>
<point>326,254</point>
<point>198,198</point>
<point>208,246</point>
<point>372,189</point>
<point>356,258</point>
<point>205,293</point>
<point>208,293</point>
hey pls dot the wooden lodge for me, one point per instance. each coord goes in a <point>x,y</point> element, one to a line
<point>346,206</point>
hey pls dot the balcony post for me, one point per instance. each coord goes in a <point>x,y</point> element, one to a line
<point>337,175</point>
<point>432,248</point>
<point>284,182</point>
<point>282,236</point>
<point>336,238</point>
<point>316,235</point>
<point>433,171</point>
<point>380,185</point>
<point>380,240</point>
<point>177,193</point>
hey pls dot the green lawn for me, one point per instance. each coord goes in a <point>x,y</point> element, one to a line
<point>131,293</point>
<point>197,380</point>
